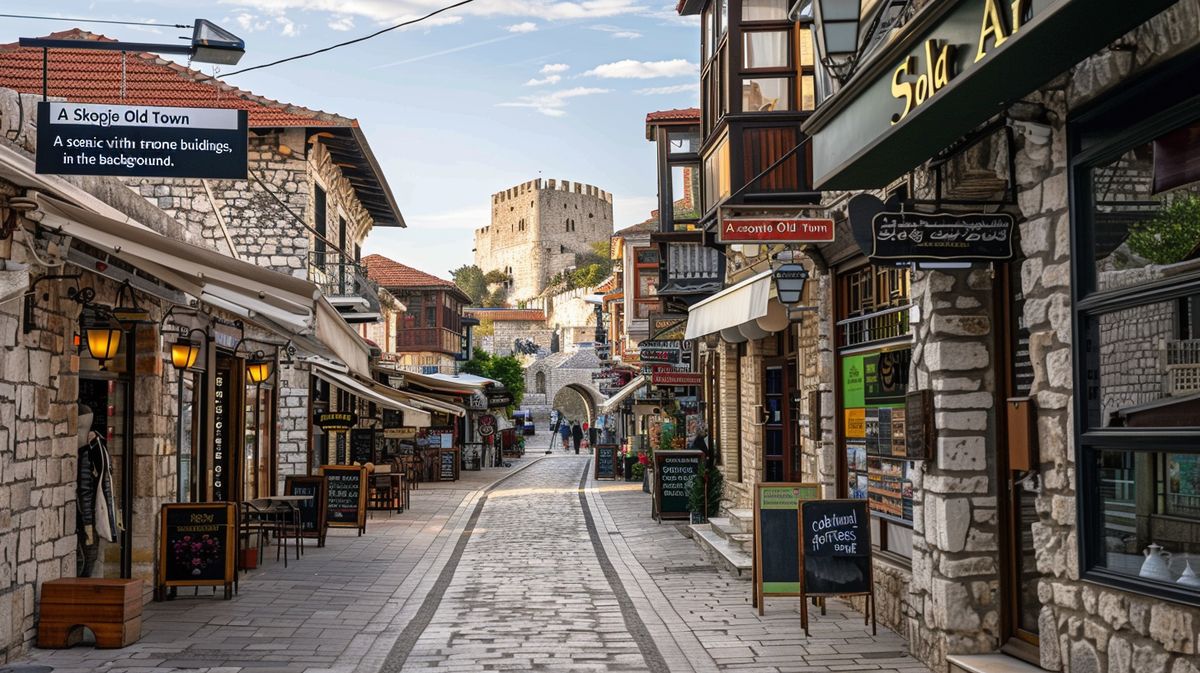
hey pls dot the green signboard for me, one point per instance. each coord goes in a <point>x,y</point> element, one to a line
<point>956,65</point>
<point>776,541</point>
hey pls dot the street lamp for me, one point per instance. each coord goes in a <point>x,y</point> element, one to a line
<point>186,350</point>
<point>836,28</point>
<point>789,282</point>
<point>209,44</point>
<point>258,368</point>
<point>101,332</point>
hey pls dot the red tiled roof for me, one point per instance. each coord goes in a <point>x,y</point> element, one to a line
<point>392,274</point>
<point>87,76</point>
<point>690,114</point>
<point>508,314</point>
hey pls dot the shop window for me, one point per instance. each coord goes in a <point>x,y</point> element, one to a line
<point>765,49</point>
<point>766,94</point>
<point>874,342</point>
<point>1137,285</point>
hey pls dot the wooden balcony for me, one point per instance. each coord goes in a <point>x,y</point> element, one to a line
<point>427,339</point>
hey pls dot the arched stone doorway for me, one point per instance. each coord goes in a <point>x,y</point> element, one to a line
<point>577,402</point>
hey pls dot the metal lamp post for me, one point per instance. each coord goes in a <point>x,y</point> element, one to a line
<point>836,29</point>
<point>209,44</point>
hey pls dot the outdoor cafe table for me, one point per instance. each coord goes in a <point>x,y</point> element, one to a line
<point>293,503</point>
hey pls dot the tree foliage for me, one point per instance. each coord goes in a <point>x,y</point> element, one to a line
<point>506,369</point>
<point>1172,235</point>
<point>470,279</point>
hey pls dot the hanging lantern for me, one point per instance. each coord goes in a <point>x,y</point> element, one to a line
<point>258,368</point>
<point>789,283</point>
<point>101,333</point>
<point>184,353</point>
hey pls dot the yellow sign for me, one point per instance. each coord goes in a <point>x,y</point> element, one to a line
<point>856,424</point>
<point>915,82</point>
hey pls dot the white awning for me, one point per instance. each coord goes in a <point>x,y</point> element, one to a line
<point>413,417</point>
<point>740,312</point>
<point>628,389</point>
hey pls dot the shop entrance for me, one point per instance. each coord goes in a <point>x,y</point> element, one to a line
<point>1019,580</point>
<point>781,439</point>
<point>106,397</point>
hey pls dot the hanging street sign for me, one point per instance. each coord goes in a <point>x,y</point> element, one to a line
<point>969,237</point>
<point>763,229</point>
<point>670,378</point>
<point>336,421</point>
<point>665,355</point>
<point>498,399</point>
<point>141,140</point>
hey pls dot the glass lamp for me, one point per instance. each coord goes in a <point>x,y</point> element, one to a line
<point>837,27</point>
<point>258,368</point>
<point>184,353</point>
<point>101,333</point>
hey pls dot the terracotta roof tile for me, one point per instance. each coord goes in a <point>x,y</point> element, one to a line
<point>392,274</point>
<point>86,76</point>
<point>508,314</point>
<point>690,114</point>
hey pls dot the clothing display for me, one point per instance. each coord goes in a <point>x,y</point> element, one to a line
<point>95,509</point>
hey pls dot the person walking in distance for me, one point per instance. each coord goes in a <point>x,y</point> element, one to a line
<point>576,436</point>
<point>564,431</point>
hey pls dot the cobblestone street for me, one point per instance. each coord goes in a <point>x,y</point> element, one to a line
<point>531,572</point>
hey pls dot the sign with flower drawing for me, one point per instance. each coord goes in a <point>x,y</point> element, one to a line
<point>197,543</point>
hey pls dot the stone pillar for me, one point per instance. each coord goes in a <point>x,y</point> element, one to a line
<point>954,603</point>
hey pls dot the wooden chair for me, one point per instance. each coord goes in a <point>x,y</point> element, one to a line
<point>381,494</point>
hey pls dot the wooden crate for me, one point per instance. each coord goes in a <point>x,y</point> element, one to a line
<point>111,608</point>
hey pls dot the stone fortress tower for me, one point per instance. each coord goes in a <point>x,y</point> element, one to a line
<point>537,229</point>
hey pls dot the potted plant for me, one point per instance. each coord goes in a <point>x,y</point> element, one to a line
<point>704,493</point>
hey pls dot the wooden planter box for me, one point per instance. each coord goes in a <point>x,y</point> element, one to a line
<point>111,608</point>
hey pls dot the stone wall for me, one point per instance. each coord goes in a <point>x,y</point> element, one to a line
<point>536,230</point>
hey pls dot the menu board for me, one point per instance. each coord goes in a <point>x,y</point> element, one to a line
<point>606,461</point>
<point>835,536</point>
<point>673,470</point>
<point>197,543</point>
<point>449,466</point>
<point>876,431</point>
<point>776,541</point>
<point>345,496</point>
<point>312,512</point>
<point>222,407</point>
<point>362,445</point>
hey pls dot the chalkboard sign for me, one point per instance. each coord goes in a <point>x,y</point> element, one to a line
<point>197,543</point>
<point>345,496</point>
<point>312,512</point>
<point>776,542</point>
<point>967,237</point>
<point>362,446</point>
<point>448,463</point>
<point>606,461</point>
<point>673,470</point>
<point>835,539</point>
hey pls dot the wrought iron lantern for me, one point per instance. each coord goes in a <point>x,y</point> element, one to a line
<point>101,332</point>
<point>836,24</point>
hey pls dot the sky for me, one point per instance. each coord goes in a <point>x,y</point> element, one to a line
<point>478,99</point>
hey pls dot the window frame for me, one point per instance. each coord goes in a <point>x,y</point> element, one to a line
<point>1159,103</point>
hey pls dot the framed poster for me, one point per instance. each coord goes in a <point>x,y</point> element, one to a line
<point>197,545</point>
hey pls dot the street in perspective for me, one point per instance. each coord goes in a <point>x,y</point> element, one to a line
<point>589,336</point>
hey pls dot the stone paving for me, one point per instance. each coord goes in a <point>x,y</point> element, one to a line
<point>545,570</point>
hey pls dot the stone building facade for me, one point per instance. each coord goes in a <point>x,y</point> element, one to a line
<point>537,230</point>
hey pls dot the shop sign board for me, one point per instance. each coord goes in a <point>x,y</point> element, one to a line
<point>141,140</point>
<point>942,237</point>
<point>672,378</point>
<point>448,465</point>
<point>312,512</point>
<point>362,445</point>
<point>487,430</point>
<point>673,472</point>
<point>935,83</point>
<point>605,461</point>
<point>336,421</point>
<point>392,418</point>
<point>197,544</point>
<point>346,496</point>
<point>499,399</point>
<point>400,433</point>
<point>763,229</point>
<point>835,552</point>
<point>664,355</point>
<point>776,554</point>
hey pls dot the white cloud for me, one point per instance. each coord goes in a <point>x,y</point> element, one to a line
<point>396,11</point>
<point>554,68</point>
<point>618,32</point>
<point>552,79</point>
<point>674,88</point>
<point>553,104</point>
<point>524,27</point>
<point>342,23</point>
<point>250,23</point>
<point>287,27</point>
<point>631,69</point>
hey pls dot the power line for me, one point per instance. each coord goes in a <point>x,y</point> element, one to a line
<point>67,18</point>
<point>350,42</point>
